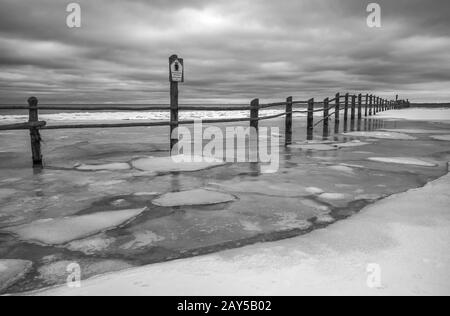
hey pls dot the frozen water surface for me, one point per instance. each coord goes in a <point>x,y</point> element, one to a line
<point>12,270</point>
<point>193,197</point>
<point>442,137</point>
<point>87,204</point>
<point>404,161</point>
<point>62,230</point>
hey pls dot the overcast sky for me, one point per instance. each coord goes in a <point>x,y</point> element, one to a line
<point>234,50</point>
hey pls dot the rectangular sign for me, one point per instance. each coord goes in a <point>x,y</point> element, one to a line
<point>177,70</point>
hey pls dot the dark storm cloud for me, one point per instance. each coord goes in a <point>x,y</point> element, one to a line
<point>234,49</point>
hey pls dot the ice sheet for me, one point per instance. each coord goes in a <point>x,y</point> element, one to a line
<point>381,135</point>
<point>172,164</point>
<point>11,271</point>
<point>442,137</point>
<point>193,197</point>
<point>63,230</point>
<point>403,161</point>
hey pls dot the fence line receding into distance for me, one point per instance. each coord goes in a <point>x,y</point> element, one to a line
<point>355,106</point>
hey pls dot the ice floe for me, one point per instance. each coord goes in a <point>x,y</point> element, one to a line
<point>56,272</point>
<point>291,221</point>
<point>381,135</point>
<point>110,166</point>
<point>403,161</point>
<point>314,147</point>
<point>141,240</point>
<point>174,164</point>
<point>442,137</point>
<point>314,190</point>
<point>92,245</point>
<point>60,231</point>
<point>355,143</point>
<point>419,114</point>
<point>333,196</point>
<point>250,226</point>
<point>417,131</point>
<point>146,193</point>
<point>342,168</point>
<point>12,271</point>
<point>265,188</point>
<point>193,197</point>
<point>325,219</point>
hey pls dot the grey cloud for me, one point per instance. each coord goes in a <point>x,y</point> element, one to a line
<point>234,49</point>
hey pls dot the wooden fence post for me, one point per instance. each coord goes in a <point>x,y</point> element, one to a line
<point>288,125</point>
<point>174,117</point>
<point>337,109</point>
<point>375,105</point>
<point>254,114</point>
<point>34,133</point>
<point>346,107</point>
<point>370,105</point>
<point>310,120</point>
<point>366,106</point>
<point>326,111</point>
<point>360,106</point>
<point>353,113</point>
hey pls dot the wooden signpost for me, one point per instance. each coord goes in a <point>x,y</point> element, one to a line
<point>176,75</point>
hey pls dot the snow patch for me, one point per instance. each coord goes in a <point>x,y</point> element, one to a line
<point>63,230</point>
<point>193,197</point>
<point>404,161</point>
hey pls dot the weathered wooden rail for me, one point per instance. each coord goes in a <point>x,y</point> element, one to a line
<point>356,107</point>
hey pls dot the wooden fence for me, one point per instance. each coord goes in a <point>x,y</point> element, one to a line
<point>355,106</point>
